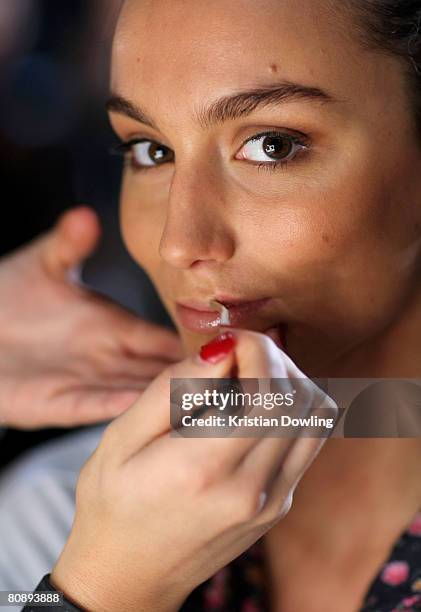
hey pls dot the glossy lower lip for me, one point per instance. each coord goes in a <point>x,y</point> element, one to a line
<point>207,321</point>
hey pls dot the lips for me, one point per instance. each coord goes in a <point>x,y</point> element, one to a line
<point>204,321</point>
<point>201,318</point>
<point>198,317</point>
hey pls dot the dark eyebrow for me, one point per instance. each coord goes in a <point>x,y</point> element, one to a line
<point>245,102</point>
<point>118,104</point>
<point>232,106</point>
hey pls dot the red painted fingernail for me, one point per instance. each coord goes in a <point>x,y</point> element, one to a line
<point>218,348</point>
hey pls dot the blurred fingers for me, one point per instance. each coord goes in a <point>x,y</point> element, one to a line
<point>70,242</point>
<point>148,338</point>
<point>88,405</point>
<point>149,418</point>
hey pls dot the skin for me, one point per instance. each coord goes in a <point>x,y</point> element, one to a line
<point>341,227</point>
<point>68,356</point>
<point>334,238</point>
<point>136,490</point>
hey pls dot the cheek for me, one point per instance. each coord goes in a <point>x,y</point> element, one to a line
<point>336,248</point>
<point>141,224</point>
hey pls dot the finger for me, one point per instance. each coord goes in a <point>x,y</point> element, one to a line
<point>311,439</point>
<point>257,458</point>
<point>297,461</point>
<point>149,418</point>
<point>263,463</point>
<point>88,405</point>
<point>121,370</point>
<point>274,477</point>
<point>70,242</point>
<point>256,356</point>
<point>141,337</point>
<point>148,338</point>
<point>278,464</point>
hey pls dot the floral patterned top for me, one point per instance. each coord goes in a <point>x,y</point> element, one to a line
<point>240,586</point>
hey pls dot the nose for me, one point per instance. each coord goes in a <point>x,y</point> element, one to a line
<point>197,228</point>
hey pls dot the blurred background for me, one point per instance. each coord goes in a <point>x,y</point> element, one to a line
<point>55,145</point>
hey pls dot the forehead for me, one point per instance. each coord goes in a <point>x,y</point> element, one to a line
<point>183,51</point>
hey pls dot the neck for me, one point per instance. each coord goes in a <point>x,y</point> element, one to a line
<point>393,353</point>
<point>343,522</point>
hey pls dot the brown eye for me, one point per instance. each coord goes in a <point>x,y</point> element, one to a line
<point>159,153</point>
<point>277,147</point>
<point>271,148</point>
<point>148,153</point>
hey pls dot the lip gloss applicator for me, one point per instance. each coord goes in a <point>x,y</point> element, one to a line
<point>224,313</point>
<point>224,319</point>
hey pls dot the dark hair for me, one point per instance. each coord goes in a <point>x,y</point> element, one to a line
<point>394,27</point>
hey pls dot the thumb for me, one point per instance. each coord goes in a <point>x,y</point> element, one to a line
<point>71,241</point>
<point>150,416</point>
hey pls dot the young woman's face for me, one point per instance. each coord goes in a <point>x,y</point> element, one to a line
<point>305,189</point>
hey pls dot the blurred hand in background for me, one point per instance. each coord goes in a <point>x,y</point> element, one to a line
<point>69,356</point>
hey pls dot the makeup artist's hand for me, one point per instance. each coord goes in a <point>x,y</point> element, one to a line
<point>67,355</point>
<point>156,515</point>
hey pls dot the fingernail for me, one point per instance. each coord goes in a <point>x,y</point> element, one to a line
<point>217,349</point>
